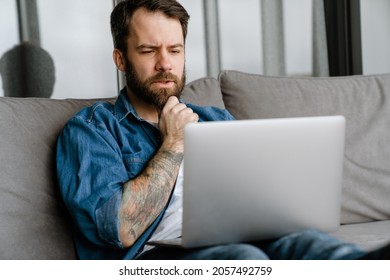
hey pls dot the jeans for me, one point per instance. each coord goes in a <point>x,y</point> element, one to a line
<point>305,245</point>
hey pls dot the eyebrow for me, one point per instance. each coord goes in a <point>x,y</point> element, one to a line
<point>151,46</point>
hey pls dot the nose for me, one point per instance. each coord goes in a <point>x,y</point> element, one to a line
<point>163,62</point>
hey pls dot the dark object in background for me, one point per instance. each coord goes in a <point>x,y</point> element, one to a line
<point>27,70</point>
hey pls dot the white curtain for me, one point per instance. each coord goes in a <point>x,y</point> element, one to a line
<point>273,37</point>
<point>320,49</point>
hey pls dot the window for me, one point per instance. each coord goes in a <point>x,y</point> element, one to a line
<point>375,22</point>
<point>8,29</point>
<point>77,36</point>
<point>240,33</point>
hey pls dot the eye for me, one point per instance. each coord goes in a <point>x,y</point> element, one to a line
<point>176,51</point>
<point>147,51</point>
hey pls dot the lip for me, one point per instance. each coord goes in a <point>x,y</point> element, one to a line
<point>164,83</point>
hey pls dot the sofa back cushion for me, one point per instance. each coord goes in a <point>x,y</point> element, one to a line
<point>33,224</point>
<point>365,103</point>
<point>204,92</point>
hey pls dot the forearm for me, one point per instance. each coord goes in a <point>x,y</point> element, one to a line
<point>145,196</point>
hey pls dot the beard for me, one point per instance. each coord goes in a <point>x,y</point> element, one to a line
<point>144,91</point>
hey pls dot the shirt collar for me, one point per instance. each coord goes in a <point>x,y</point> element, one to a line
<point>123,107</point>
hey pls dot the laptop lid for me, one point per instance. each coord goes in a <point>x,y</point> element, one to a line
<point>250,180</point>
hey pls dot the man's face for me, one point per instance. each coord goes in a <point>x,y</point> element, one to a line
<point>155,57</point>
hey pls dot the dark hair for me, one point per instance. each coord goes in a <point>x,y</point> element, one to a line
<point>123,12</point>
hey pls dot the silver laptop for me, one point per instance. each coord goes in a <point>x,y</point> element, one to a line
<point>252,180</point>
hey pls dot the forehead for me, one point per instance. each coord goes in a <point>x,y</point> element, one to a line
<point>155,28</point>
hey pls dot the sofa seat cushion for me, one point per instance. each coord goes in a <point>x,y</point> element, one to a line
<point>369,235</point>
<point>365,103</point>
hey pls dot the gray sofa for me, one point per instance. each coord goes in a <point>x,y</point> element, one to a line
<point>33,222</point>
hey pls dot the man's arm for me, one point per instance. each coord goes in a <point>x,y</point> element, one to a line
<point>145,196</point>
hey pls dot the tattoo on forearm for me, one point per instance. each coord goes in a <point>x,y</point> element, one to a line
<point>145,196</point>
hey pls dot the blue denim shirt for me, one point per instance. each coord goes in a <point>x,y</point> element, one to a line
<point>99,149</point>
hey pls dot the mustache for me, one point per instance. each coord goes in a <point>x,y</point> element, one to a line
<point>163,76</point>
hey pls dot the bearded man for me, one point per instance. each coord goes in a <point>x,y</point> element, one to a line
<point>119,165</point>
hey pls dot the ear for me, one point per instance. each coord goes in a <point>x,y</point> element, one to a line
<point>119,60</point>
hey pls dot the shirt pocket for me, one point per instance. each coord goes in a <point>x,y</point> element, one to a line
<point>134,164</point>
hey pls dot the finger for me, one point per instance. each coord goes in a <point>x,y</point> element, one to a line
<point>188,115</point>
<point>171,102</point>
<point>196,117</point>
<point>193,117</point>
<point>180,108</point>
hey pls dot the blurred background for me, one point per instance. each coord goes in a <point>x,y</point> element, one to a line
<point>68,43</point>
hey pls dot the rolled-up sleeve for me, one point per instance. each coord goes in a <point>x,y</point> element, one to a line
<point>107,222</point>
